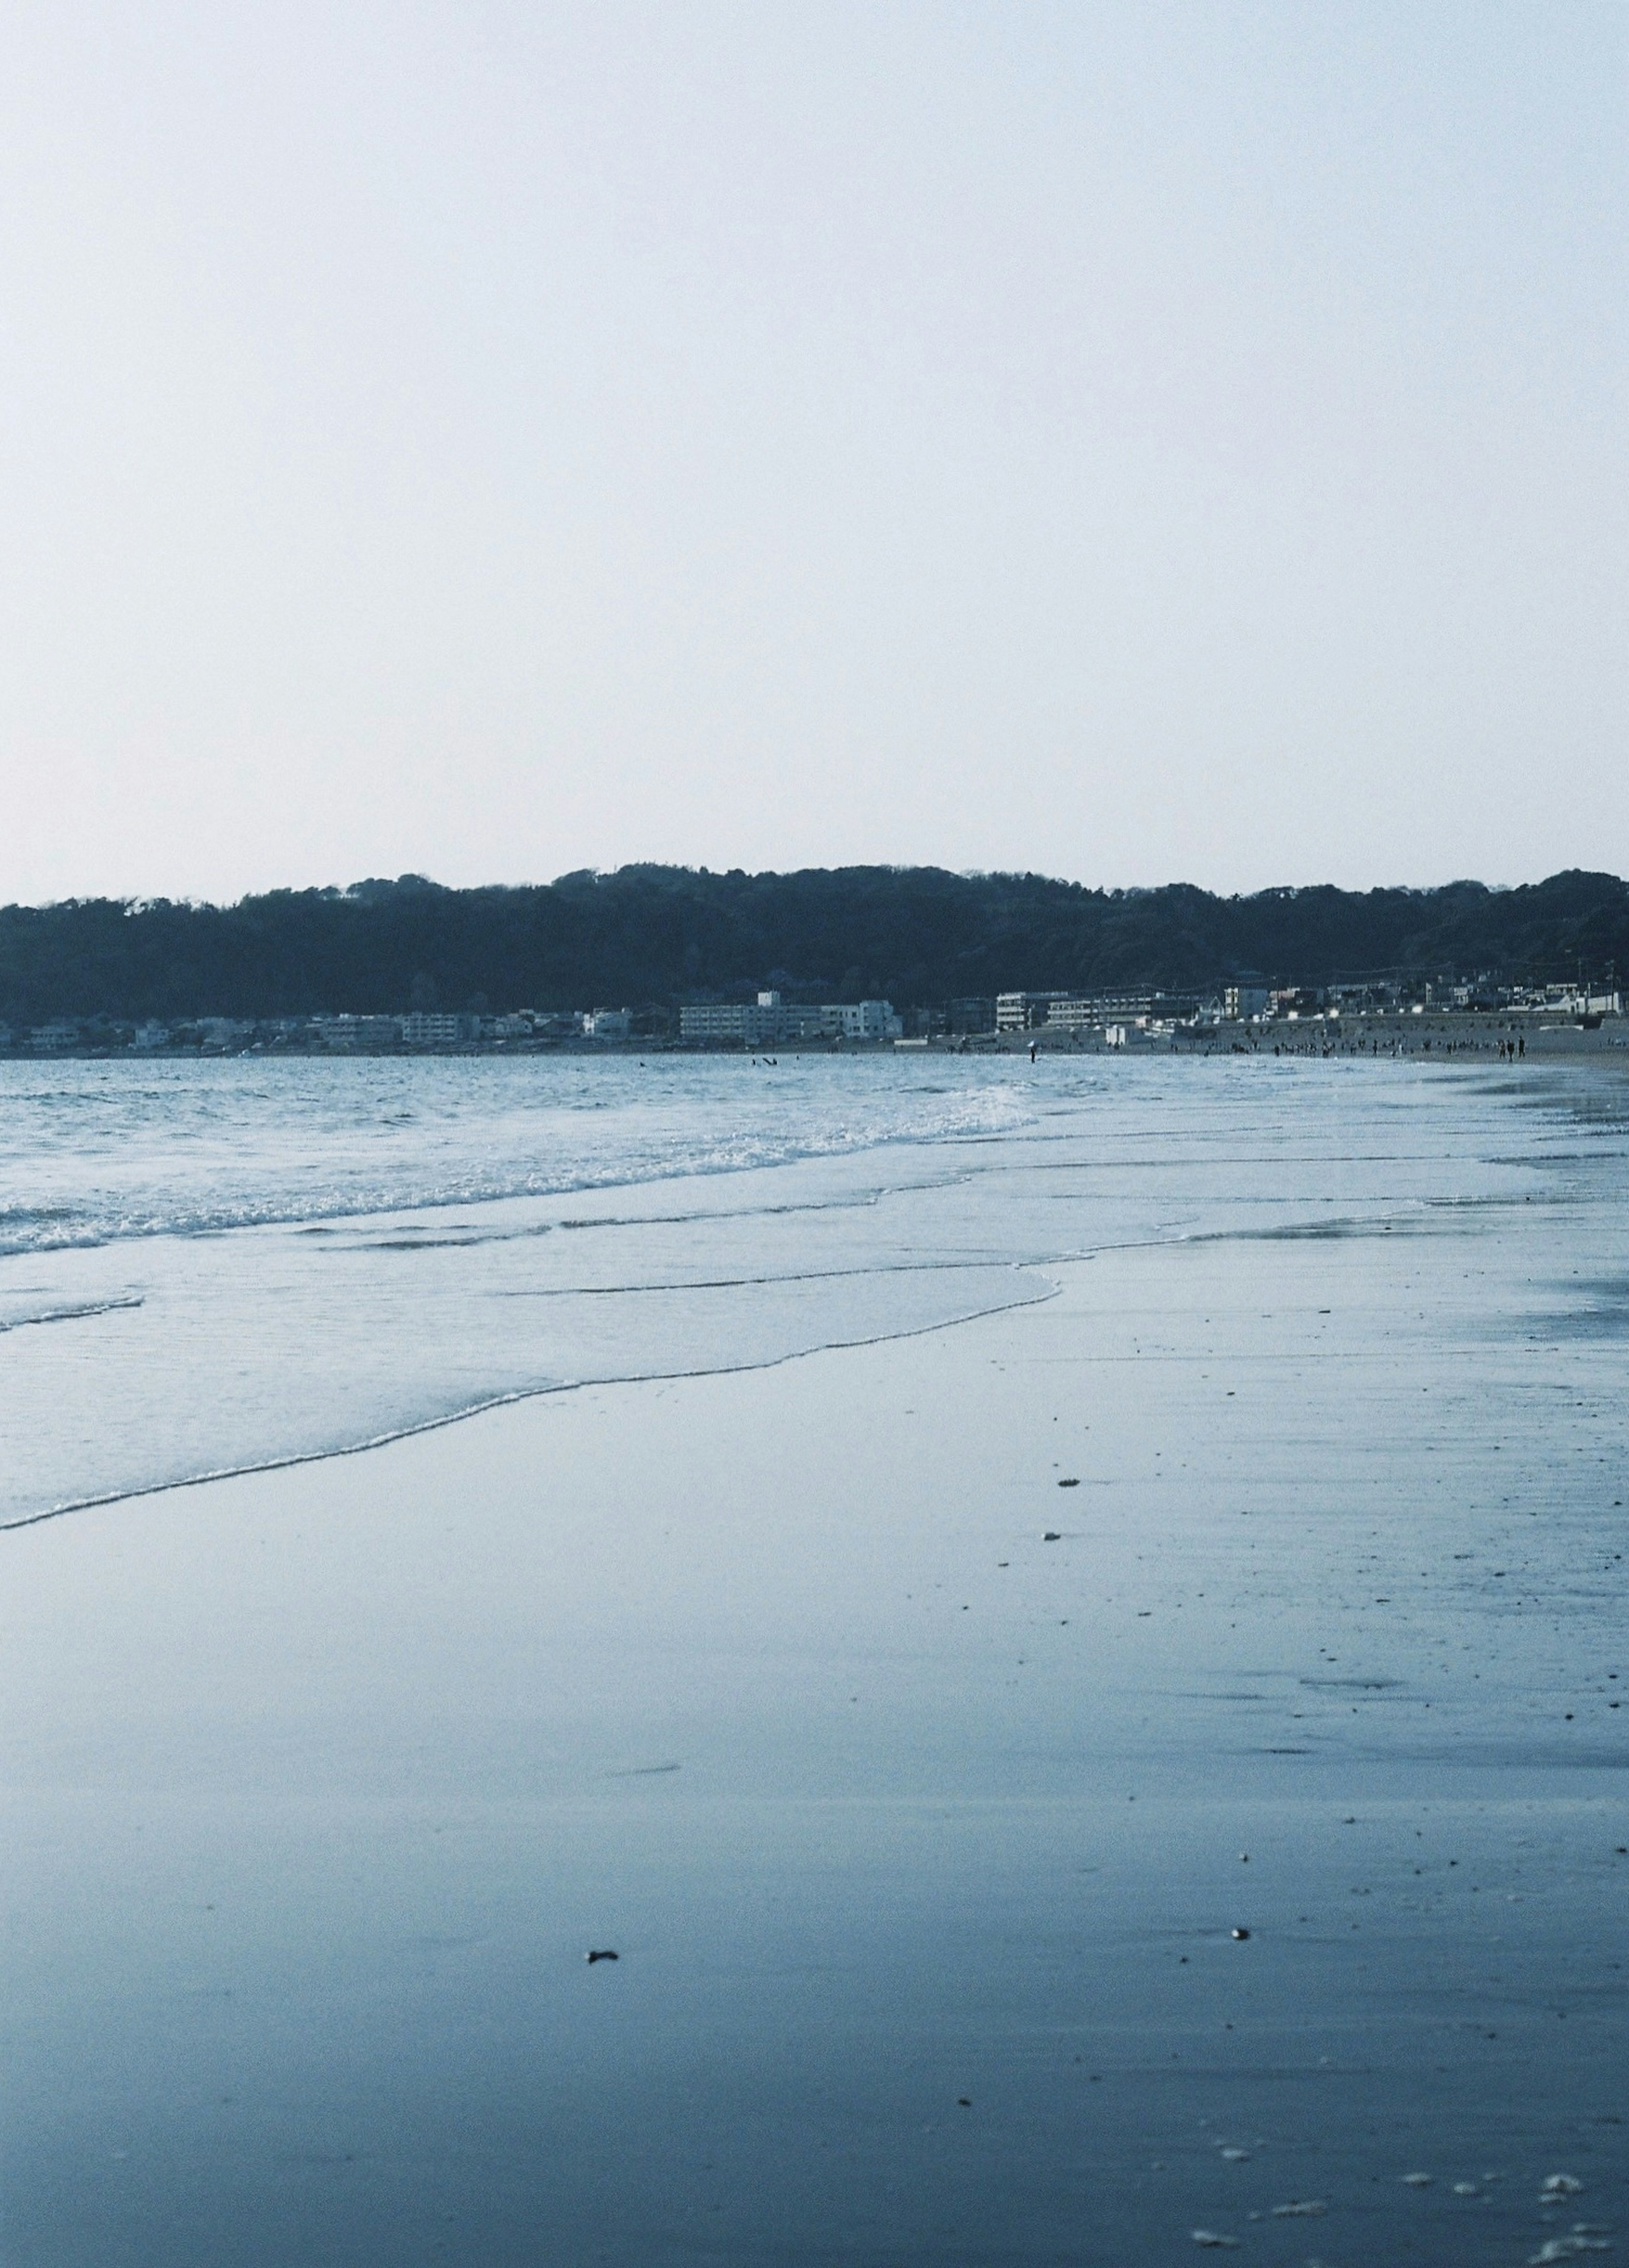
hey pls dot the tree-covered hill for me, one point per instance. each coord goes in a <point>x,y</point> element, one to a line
<point>915,935</point>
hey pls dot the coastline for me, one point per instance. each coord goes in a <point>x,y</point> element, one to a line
<point>1404,1036</point>
<point>324,1780</point>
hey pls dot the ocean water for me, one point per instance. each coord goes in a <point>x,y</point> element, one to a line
<point>207,1267</point>
<point>1119,1754</point>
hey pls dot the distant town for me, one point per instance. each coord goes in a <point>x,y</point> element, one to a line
<point>852,958</point>
<point>1329,1018</point>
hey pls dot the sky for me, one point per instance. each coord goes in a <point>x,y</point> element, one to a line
<point>1135,442</point>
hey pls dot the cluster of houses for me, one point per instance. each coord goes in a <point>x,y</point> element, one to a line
<point>769,1021</point>
<point>340,1035</point>
<point>1257,1003</point>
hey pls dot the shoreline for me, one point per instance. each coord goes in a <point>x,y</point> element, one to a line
<point>853,1247</point>
<point>515,1399</point>
<point>910,1785</point>
<point>1472,1032</point>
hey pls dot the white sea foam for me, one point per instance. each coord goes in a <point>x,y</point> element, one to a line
<point>94,1152</point>
<point>210,1266</point>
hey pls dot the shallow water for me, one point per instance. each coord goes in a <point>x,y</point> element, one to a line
<point>319,1785</point>
<point>207,1267</point>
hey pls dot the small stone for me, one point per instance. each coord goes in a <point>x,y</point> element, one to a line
<point>1051,1536</point>
<point>601,1952</point>
<point>1240,1933</point>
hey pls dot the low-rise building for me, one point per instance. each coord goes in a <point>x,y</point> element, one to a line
<point>1096,1011</point>
<point>1241,1002</point>
<point>716,1023</point>
<point>867,1019</point>
<point>770,1021</point>
<point>1021,1011</point>
<point>425,1030</point>
<point>969,1018</point>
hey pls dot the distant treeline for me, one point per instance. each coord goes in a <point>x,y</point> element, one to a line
<point>913,935</point>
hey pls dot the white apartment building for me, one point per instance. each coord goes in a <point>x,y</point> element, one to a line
<point>717,1020</point>
<point>769,1021</point>
<point>1071,1012</point>
<point>423,1030</point>
<point>1012,1010</point>
<point>1074,1015</point>
<point>1022,1011</point>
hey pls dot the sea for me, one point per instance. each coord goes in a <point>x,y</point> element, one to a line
<point>207,1267</point>
<point>1057,1630</point>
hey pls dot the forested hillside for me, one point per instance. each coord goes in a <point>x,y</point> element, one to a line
<point>914,935</point>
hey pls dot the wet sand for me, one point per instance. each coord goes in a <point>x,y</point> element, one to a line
<point>927,1844</point>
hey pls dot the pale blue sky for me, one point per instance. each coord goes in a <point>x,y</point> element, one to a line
<point>1134,442</point>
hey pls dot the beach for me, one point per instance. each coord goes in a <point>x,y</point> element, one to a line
<point>1099,1740</point>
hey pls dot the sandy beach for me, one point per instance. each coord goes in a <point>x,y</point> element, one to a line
<point>1138,1773</point>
